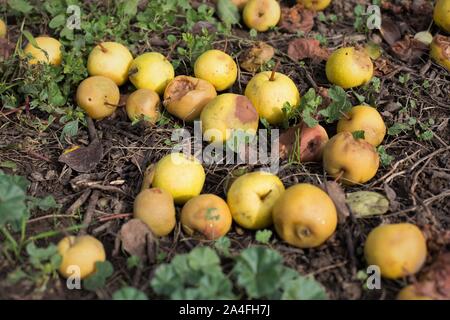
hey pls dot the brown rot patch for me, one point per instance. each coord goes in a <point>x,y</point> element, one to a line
<point>362,59</point>
<point>156,190</point>
<point>443,43</point>
<point>245,111</point>
<point>179,87</point>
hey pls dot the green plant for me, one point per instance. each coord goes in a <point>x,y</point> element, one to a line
<point>129,293</point>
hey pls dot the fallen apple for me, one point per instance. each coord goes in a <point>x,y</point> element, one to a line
<point>151,71</point>
<point>143,104</point>
<point>261,15</point>
<point>364,118</point>
<point>183,177</point>
<point>441,14</point>
<point>226,114</point>
<point>269,91</point>
<point>80,254</point>
<point>304,216</point>
<point>440,51</point>
<point>410,292</point>
<point>216,67</point>
<point>349,159</point>
<point>185,97</point>
<point>111,60</point>
<point>317,5</point>
<point>206,214</point>
<point>398,249</point>
<point>251,198</point>
<point>155,207</point>
<point>3,29</point>
<point>98,96</point>
<point>48,51</point>
<point>349,67</point>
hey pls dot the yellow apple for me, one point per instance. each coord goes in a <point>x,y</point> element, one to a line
<point>98,96</point>
<point>251,198</point>
<point>441,14</point>
<point>398,249</point>
<point>80,252</point>
<point>151,71</point>
<point>411,293</point>
<point>143,103</point>
<point>3,29</point>
<point>227,113</point>
<point>111,60</point>
<point>304,216</point>
<point>440,51</point>
<point>47,45</point>
<point>317,5</point>
<point>185,97</point>
<point>183,177</point>
<point>269,93</point>
<point>349,67</point>
<point>216,67</point>
<point>351,160</point>
<point>367,119</point>
<point>261,15</point>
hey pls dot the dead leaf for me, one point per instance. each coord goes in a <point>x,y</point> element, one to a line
<point>83,159</point>
<point>443,43</point>
<point>367,203</point>
<point>133,237</point>
<point>302,48</point>
<point>409,49</point>
<point>390,31</point>
<point>198,27</point>
<point>147,180</point>
<point>253,58</point>
<point>373,50</point>
<point>424,36</point>
<point>435,283</point>
<point>337,194</point>
<point>392,196</point>
<point>383,66</point>
<point>296,19</point>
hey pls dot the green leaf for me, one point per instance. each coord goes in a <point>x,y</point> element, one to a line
<point>397,128</point>
<point>263,236</point>
<point>8,164</point>
<point>44,204</point>
<point>57,21</point>
<point>22,6</point>
<point>358,134</point>
<point>12,198</point>
<point>98,279</point>
<point>30,38</point>
<point>308,106</point>
<point>129,293</point>
<point>367,203</point>
<point>228,12</point>
<point>129,8</point>
<point>258,270</point>
<point>222,245</point>
<point>133,262</point>
<point>39,256</point>
<point>304,288</point>
<point>55,97</point>
<point>340,105</point>
<point>385,158</point>
<point>70,129</point>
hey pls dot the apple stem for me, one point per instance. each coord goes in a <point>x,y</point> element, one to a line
<point>274,70</point>
<point>102,47</point>
<point>344,115</point>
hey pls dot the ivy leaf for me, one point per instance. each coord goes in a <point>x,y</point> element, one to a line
<point>22,6</point>
<point>57,21</point>
<point>129,293</point>
<point>385,158</point>
<point>97,280</point>
<point>129,8</point>
<point>222,245</point>
<point>70,129</point>
<point>304,288</point>
<point>258,270</point>
<point>263,236</point>
<point>359,134</point>
<point>309,104</point>
<point>55,97</point>
<point>228,12</point>
<point>340,104</point>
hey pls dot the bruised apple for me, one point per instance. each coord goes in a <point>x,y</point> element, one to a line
<point>143,104</point>
<point>186,96</point>
<point>440,51</point>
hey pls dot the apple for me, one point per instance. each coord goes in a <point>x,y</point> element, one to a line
<point>216,67</point>
<point>397,249</point>
<point>317,5</point>
<point>3,29</point>
<point>261,15</point>
<point>411,292</point>
<point>98,96</point>
<point>155,207</point>
<point>227,113</point>
<point>269,91</point>
<point>80,252</point>
<point>48,45</point>
<point>151,71</point>
<point>350,160</point>
<point>364,118</point>
<point>145,104</point>
<point>206,214</point>
<point>349,67</point>
<point>440,51</point>
<point>441,14</point>
<point>183,177</point>
<point>185,97</point>
<point>304,216</point>
<point>251,198</point>
<point>111,60</point>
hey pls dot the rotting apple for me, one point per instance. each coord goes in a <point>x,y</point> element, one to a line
<point>185,97</point>
<point>48,51</point>
<point>251,198</point>
<point>440,51</point>
<point>349,67</point>
<point>397,249</point>
<point>350,160</point>
<point>111,60</point>
<point>143,104</point>
<point>80,254</point>
<point>216,67</point>
<point>305,216</point>
<point>98,96</point>
<point>269,91</point>
<point>261,15</point>
<point>3,29</point>
<point>317,5</point>
<point>151,70</point>
<point>441,14</point>
<point>226,113</point>
<point>155,207</point>
<point>206,214</point>
<point>411,292</point>
<point>182,176</point>
<point>364,118</point>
